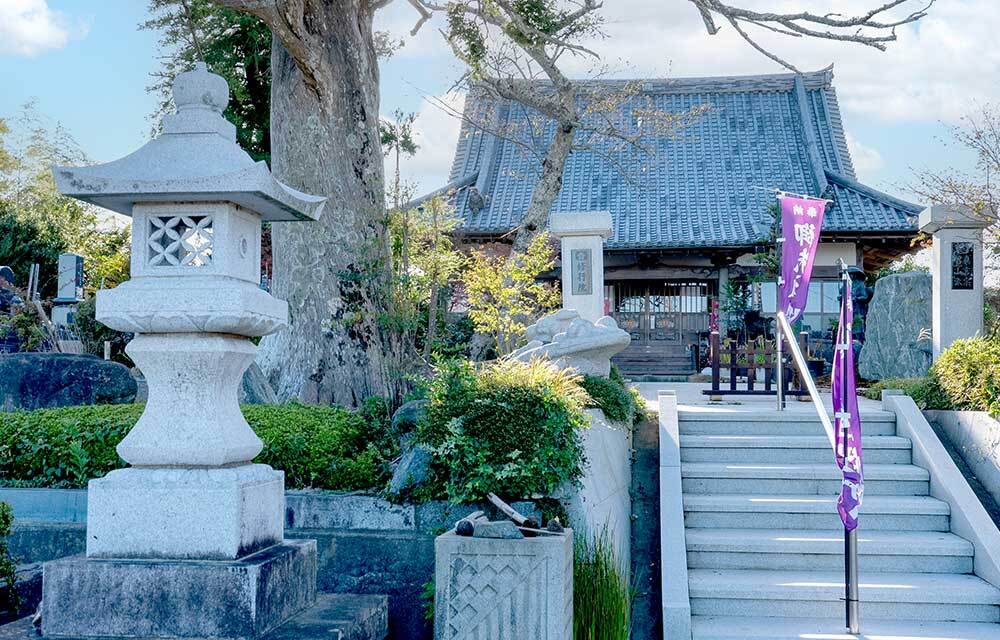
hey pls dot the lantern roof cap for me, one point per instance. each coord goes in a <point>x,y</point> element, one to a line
<point>194,159</point>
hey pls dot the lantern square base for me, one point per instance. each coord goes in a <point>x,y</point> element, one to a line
<point>241,599</point>
<point>195,514</point>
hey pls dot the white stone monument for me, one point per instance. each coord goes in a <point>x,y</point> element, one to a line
<point>582,237</point>
<point>70,288</point>
<point>189,540</point>
<point>956,272</point>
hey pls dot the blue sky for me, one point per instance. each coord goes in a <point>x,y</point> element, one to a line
<point>87,65</point>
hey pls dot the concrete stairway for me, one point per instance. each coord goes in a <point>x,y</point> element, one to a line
<point>765,544</point>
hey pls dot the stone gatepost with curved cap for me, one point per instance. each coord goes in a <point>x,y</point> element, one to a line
<point>189,540</point>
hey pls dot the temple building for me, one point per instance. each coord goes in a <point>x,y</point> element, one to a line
<point>692,207</point>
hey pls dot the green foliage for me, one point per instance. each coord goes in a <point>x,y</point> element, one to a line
<point>27,241</point>
<point>926,392</point>
<point>969,374</point>
<point>904,265</point>
<point>619,402</point>
<point>94,334</point>
<point>37,223</point>
<point>504,293</point>
<point>319,447</point>
<point>427,599</point>
<point>508,427</point>
<point>27,325</point>
<point>468,41</point>
<point>9,599</point>
<point>602,595</point>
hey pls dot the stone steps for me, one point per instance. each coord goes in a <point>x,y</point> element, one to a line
<point>780,479</point>
<point>718,421</point>
<point>764,543</point>
<point>789,549</point>
<point>757,511</point>
<point>820,594</point>
<point>785,449</point>
<point>751,628</point>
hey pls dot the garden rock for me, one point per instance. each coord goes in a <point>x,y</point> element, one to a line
<point>47,380</point>
<point>407,416</point>
<point>412,470</point>
<point>900,310</point>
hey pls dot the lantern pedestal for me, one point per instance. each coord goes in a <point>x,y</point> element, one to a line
<point>209,514</point>
<point>243,598</point>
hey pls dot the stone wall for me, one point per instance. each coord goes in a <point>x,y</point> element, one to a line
<point>897,340</point>
<point>976,437</point>
<point>365,544</point>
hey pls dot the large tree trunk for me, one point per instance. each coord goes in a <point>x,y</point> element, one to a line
<point>333,273</point>
<point>546,189</point>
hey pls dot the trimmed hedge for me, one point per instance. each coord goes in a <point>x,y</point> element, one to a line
<point>319,447</point>
<point>966,376</point>
<point>507,427</point>
<point>926,392</point>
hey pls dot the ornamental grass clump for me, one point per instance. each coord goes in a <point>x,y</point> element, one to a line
<point>969,374</point>
<point>509,427</point>
<point>602,595</point>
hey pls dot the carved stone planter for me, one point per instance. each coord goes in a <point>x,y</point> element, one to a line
<point>500,589</point>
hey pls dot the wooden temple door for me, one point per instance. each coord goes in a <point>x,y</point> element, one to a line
<point>664,318</point>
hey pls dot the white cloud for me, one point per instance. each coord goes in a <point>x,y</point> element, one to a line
<point>29,27</point>
<point>435,131</point>
<point>867,160</point>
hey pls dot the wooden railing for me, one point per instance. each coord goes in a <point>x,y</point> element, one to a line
<point>740,364</point>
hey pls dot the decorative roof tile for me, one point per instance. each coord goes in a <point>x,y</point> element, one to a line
<point>707,185</point>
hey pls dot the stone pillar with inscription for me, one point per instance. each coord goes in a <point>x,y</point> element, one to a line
<point>188,541</point>
<point>582,238</point>
<point>956,272</point>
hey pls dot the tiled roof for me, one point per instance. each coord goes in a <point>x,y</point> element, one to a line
<point>706,185</point>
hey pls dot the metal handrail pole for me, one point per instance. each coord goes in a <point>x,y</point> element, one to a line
<point>779,377</point>
<point>800,363</point>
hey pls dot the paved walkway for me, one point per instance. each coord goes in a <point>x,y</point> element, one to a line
<point>690,396</point>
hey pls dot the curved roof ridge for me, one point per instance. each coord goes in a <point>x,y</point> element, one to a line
<point>819,79</point>
<point>873,193</point>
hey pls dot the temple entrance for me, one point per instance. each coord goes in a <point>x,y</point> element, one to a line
<point>664,318</point>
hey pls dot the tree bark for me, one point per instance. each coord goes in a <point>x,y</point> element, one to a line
<point>334,272</point>
<point>546,189</point>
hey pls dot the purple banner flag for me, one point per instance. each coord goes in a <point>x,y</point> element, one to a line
<point>847,420</point>
<point>801,222</point>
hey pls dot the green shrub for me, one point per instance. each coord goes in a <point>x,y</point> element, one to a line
<point>508,427</point>
<point>926,392</point>
<point>969,374</point>
<point>618,401</point>
<point>321,447</point>
<point>9,599</point>
<point>602,595</point>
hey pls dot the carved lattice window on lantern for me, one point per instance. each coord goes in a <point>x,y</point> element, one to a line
<point>180,241</point>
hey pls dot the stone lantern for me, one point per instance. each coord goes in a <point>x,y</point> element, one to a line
<point>193,514</point>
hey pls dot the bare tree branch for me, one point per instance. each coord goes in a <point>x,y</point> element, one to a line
<point>873,28</point>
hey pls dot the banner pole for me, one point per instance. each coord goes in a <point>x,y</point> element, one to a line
<point>850,536</point>
<point>779,370</point>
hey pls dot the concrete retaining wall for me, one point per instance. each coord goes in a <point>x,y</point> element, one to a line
<point>365,544</point>
<point>603,499</point>
<point>976,437</point>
